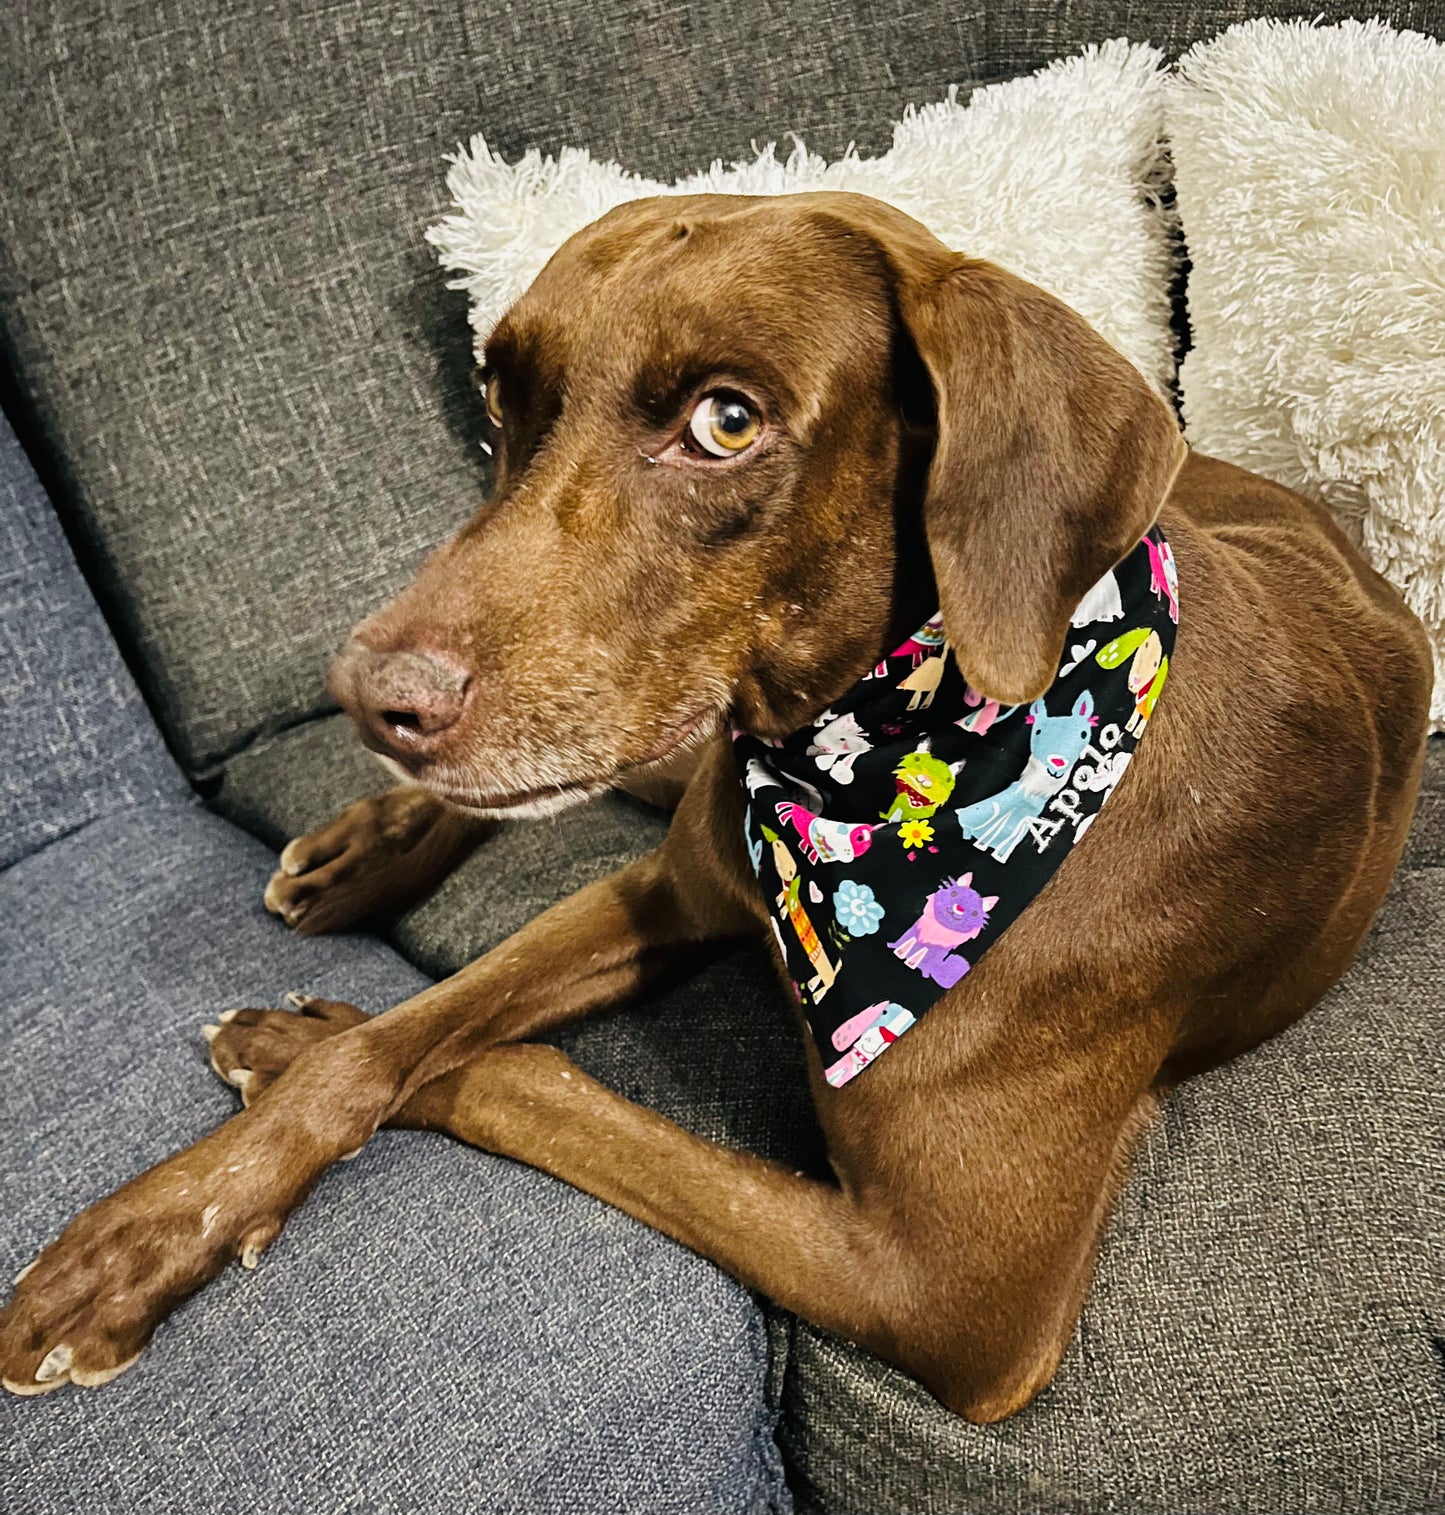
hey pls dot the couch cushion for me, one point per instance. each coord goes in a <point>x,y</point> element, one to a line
<point>76,740</point>
<point>436,1329</point>
<point>215,291</point>
<point>1268,1322</point>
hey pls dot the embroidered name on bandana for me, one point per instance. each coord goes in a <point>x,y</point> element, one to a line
<point>902,833</point>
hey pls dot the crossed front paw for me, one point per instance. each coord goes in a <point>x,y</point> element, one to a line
<point>251,1049</point>
<point>378,856</point>
<point>85,1309</point>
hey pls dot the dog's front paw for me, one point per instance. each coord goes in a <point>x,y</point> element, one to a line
<point>380,855</point>
<point>251,1049</point>
<point>340,874</point>
<point>87,1306</point>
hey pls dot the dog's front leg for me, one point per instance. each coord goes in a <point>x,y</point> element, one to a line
<point>965,1268</point>
<point>87,1306</point>
<point>804,1243</point>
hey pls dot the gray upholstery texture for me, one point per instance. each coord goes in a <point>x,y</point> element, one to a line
<point>76,741</point>
<point>436,1329</point>
<point>237,348</point>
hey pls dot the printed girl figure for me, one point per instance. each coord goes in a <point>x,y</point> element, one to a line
<point>791,904</point>
<point>1147,671</point>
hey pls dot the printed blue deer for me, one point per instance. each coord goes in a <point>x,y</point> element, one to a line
<point>998,824</point>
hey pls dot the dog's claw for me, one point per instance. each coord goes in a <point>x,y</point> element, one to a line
<point>88,1378</point>
<point>32,1388</point>
<point>290,864</point>
<point>28,1268</point>
<point>210,1032</point>
<point>56,1364</point>
<point>299,1000</point>
<point>255,1242</point>
<point>227,1015</point>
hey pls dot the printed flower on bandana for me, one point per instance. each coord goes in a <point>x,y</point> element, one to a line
<point>859,913</point>
<point>915,833</point>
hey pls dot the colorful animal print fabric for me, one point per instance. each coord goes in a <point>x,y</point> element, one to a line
<point>903,832</point>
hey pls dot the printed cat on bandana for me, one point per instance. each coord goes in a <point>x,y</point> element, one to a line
<point>953,914</point>
<point>839,745</point>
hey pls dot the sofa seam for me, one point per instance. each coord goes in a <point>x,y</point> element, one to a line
<point>181,803</point>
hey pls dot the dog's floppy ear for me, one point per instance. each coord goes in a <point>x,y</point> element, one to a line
<point>1052,457</point>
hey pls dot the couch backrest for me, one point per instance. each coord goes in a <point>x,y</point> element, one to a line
<point>221,313</point>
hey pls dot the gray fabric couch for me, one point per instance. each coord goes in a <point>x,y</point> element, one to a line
<point>230,356</point>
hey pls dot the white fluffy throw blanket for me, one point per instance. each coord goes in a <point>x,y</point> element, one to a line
<point>1055,176</point>
<point>1310,165</point>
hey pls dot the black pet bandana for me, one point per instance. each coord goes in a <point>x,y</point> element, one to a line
<point>900,835</point>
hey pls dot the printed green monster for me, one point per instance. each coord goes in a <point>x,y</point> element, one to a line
<point>924,783</point>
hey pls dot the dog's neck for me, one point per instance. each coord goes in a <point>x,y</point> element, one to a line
<point>902,828</point>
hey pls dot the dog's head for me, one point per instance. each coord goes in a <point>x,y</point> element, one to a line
<point>744,445</point>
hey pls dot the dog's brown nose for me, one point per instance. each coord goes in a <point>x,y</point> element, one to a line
<point>404,703</point>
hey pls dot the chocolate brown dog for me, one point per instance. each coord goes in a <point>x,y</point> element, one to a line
<point>899,427</point>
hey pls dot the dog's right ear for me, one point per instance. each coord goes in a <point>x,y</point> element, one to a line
<point>1052,455</point>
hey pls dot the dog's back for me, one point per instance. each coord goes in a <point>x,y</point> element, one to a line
<point>1302,681</point>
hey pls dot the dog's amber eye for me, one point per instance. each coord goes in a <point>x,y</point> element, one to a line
<point>723,424</point>
<point>494,399</point>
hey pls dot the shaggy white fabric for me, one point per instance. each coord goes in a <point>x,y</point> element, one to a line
<point>1310,166</point>
<point>1055,176</point>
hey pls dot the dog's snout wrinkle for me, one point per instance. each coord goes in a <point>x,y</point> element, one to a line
<point>404,704</point>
